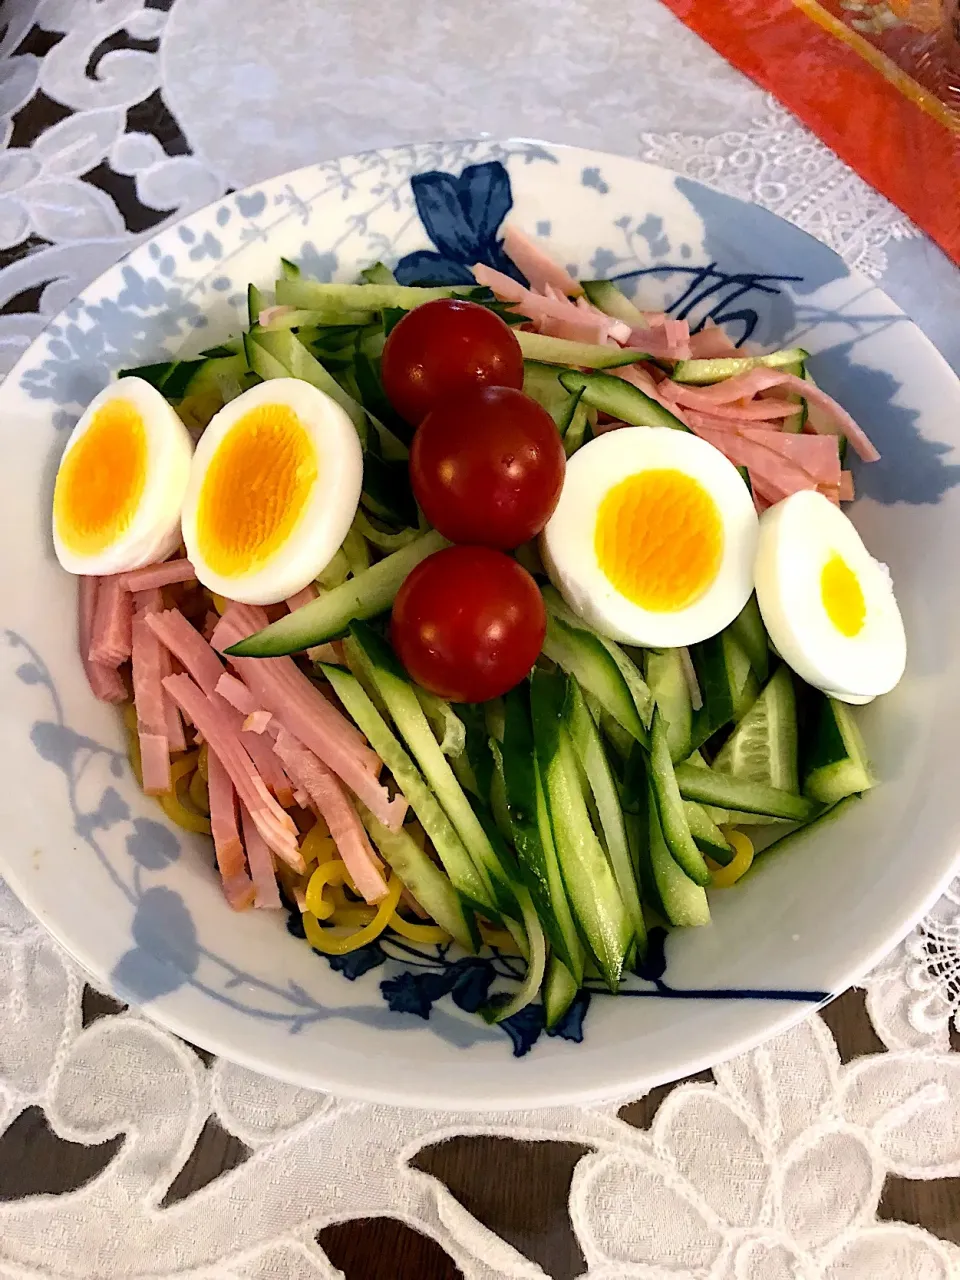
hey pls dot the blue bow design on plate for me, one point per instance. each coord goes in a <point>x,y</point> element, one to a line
<point>462,217</point>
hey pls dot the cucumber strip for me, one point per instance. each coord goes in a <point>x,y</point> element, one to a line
<point>836,763</point>
<point>256,302</point>
<point>749,632</point>
<point>428,884</point>
<point>586,355</point>
<point>586,741</point>
<point>673,819</point>
<point>536,962</point>
<point>229,347</point>
<point>612,301</point>
<point>383,539</point>
<point>378,274</point>
<point>682,902</point>
<point>707,835</point>
<point>335,571</point>
<point>210,375</point>
<point>312,295</point>
<point>664,674</point>
<point>310,322</point>
<point>478,747</point>
<point>386,490</point>
<point>632,678</point>
<point>289,270</point>
<point>362,597</point>
<point>581,654</point>
<point>374,398</point>
<point>559,992</point>
<point>534,842</point>
<point>796,424</point>
<point>707,787</point>
<point>541,382</point>
<point>448,728</point>
<point>727,684</point>
<point>700,372</point>
<point>498,793</point>
<point>621,400</point>
<point>763,746</point>
<point>287,349</point>
<point>397,692</point>
<point>588,879</point>
<point>356,551</point>
<point>450,848</point>
<point>575,426</point>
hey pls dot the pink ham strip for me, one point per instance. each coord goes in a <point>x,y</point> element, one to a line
<point>226,837</point>
<point>711,343</point>
<point>539,268</point>
<point>333,805</point>
<point>158,575</point>
<point>146,601</point>
<point>696,420</point>
<point>645,382</point>
<point>257,722</point>
<point>188,647</point>
<point>267,896</point>
<point>105,683</point>
<point>238,695</point>
<point>281,688</point>
<point>846,493</point>
<point>276,827</point>
<point>756,380</point>
<point>755,411</point>
<point>111,641</point>
<point>574,329</point>
<point>555,315</point>
<point>330,651</point>
<point>818,456</point>
<point>149,702</point>
<point>769,470</point>
<point>269,314</point>
<point>306,596</point>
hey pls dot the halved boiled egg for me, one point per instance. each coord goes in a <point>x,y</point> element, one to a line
<point>121,482</point>
<point>273,491</point>
<point>654,537</point>
<point>827,604</point>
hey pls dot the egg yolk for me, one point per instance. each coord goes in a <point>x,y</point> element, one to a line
<point>842,597</point>
<point>255,490</point>
<point>101,480</point>
<point>659,539</point>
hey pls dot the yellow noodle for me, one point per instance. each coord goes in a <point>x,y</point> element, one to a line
<point>724,877</point>
<point>418,932</point>
<point>338,944</point>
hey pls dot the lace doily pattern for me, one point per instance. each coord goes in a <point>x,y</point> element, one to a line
<point>773,1171</point>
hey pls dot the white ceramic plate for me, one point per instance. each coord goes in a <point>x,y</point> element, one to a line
<point>136,901</point>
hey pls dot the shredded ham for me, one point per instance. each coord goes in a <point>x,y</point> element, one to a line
<point>306,596</point>
<point>111,641</point>
<point>262,871</point>
<point>150,600</point>
<point>845,492</point>
<point>257,722</point>
<point>276,826</point>
<point>669,341</point>
<point>164,574</point>
<point>188,647</point>
<point>552,313</point>
<point>238,695</point>
<point>281,688</point>
<point>537,265</point>
<point>333,805</point>
<point>237,885</point>
<point>151,715</point>
<point>818,456</point>
<point>711,343</point>
<point>105,683</point>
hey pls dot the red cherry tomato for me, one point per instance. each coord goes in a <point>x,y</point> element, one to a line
<point>444,347</point>
<point>468,623</point>
<point>487,467</point>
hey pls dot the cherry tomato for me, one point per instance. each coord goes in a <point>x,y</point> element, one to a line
<point>468,623</point>
<point>444,347</point>
<point>487,467</point>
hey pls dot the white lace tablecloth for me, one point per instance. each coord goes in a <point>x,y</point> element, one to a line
<point>773,1171</point>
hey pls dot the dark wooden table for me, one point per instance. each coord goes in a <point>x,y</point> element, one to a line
<point>517,1189</point>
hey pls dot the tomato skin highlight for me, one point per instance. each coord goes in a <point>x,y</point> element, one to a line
<point>468,623</point>
<point>445,347</point>
<point>487,467</point>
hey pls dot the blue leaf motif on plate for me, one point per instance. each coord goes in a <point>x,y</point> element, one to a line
<point>591,178</point>
<point>570,1026</point>
<point>166,954</point>
<point>524,1028</point>
<point>252,205</point>
<point>462,217</point>
<point>152,845</point>
<point>355,964</point>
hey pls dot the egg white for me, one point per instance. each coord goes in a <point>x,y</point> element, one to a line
<point>330,506</point>
<point>154,531</point>
<point>797,538</point>
<point>568,541</point>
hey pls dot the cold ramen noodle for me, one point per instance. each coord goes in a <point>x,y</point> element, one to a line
<point>509,615</point>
